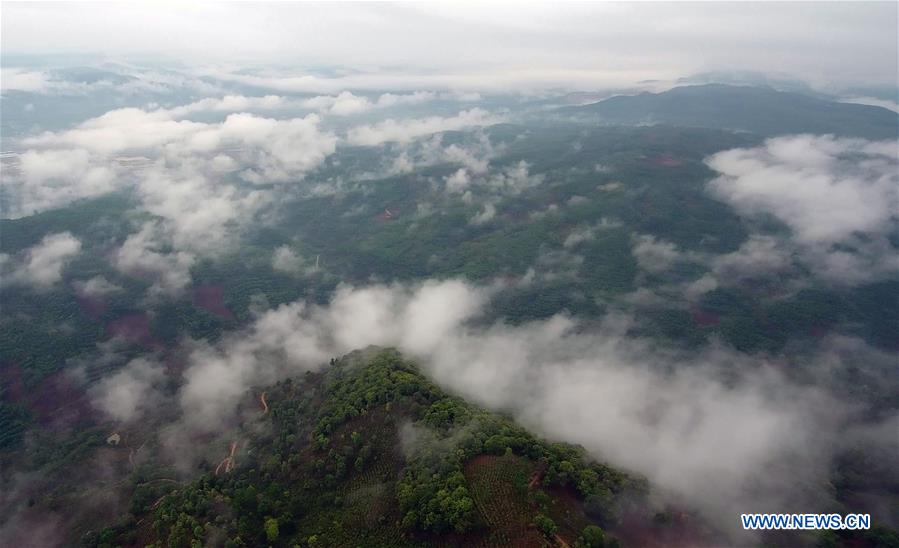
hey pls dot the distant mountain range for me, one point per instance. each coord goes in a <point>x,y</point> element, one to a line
<point>760,110</point>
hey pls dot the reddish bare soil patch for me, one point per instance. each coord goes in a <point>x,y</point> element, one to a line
<point>537,478</point>
<point>567,510</point>
<point>175,365</point>
<point>11,384</point>
<point>501,502</point>
<point>91,306</point>
<point>59,403</point>
<point>705,318</point>
<point>566,495</point>
<point>212,299</point>
<point>667,160</point>
<point>647,207</point>
<point>680,530</point>
<point>35,527</point>
<point>134,328</point>
<point>388,214</point>
<point>480,461</point>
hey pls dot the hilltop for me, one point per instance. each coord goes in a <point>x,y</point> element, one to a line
<point>371,453</point>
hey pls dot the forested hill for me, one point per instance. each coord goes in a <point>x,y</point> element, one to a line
<point>760,110</point>
<point>370,453</point>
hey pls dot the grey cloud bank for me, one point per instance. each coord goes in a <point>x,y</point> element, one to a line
<point>492,45</point>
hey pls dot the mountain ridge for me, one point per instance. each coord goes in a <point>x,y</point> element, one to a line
<point>755,109</point>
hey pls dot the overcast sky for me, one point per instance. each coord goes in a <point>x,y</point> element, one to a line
<point>822,43</point>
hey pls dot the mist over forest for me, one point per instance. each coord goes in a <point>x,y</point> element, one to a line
<point>585,275</point>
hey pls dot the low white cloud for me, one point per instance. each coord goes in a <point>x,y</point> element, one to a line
<point>458,181</point>
<point>346,103</point>
<point>142,254</point>
<point>477,176</point>
<point>182,171</point>
<point>513,179</point>
<point>757,256</point>
<point>230,103</point>
<point>698,288</point>
<point>873,101</point>
<point>16,79</point>
<point>131,391</point>
<point>486,215</point>
<point>587,233</point>
<point>823,188</point>
<point>123,80</point>
<point>459,85</point>
<point>53,178</point>
<point>474,156</point>
<point>41,265</point>
<point>295,337</point>
<point>272,150</point>
<point>406,130</point>
<point>286,260</point>
<point>655,255</point>
<point>839,197</point>
<point>174,195</point>
<point>388,100</point>
<point>120,130</point>
<point>98,286</point>
<point>550,210</point>
<point>280,342</point>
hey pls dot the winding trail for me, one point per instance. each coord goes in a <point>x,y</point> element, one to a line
<point>264,404</point>
<point>158,502</point>
<point>132,451</point>
<point>169,480</point>
<point>536,479</point>
<point>227,462</point>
